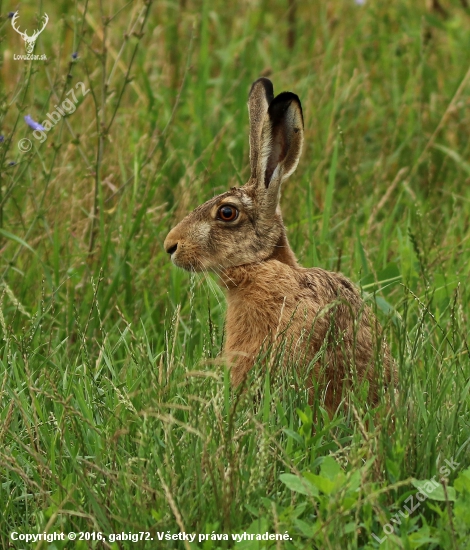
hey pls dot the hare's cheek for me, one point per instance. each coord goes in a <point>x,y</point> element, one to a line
<point>201,233</point>
<point>200,242</point>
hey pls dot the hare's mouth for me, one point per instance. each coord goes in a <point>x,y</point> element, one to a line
<point>192,265</point>
<point>189,257</point>
<point>180,257</point>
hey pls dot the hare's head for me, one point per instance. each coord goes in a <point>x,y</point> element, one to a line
<point>244,225</point>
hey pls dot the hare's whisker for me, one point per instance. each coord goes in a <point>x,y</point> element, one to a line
<point>210,282</point>
<point>223,272</point>
<point>220,274</point>
<point>229,278</point>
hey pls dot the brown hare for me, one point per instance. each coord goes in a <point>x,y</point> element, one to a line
<point>315,317</point>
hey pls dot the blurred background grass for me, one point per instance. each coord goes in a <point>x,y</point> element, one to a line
<point>113,413</point>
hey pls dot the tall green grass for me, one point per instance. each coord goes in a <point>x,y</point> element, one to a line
<point>116,412</point>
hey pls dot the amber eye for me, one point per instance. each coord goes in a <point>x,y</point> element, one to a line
<point>227,213</point>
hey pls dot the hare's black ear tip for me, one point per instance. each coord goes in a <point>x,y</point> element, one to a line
<point>288,97</point>
<point>266,84</point>
<point>282,102</point>
<point>296,99</point>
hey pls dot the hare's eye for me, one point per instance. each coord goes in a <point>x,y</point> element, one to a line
<point>227,213</point>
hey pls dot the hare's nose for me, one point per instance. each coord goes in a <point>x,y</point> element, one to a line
<point>170,248</point>
<point>173,239</point>
<point>171,242</point>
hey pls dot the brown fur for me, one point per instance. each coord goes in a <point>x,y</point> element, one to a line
<point>310,314</point>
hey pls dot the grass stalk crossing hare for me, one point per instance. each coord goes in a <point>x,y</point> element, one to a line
<point>318,316</point>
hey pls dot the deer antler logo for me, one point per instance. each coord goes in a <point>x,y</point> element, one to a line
<point>29,40</point>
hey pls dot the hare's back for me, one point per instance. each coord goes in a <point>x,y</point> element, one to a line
<point>328,286</point>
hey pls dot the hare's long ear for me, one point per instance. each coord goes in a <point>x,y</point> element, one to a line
<point>261,95</point>
<point>281,143</point>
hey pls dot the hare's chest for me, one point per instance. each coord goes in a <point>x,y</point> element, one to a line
<point>264,301</point>
<point>256,316</point>
<point>254,311</point>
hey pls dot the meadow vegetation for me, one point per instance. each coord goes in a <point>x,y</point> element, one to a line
<point>116,413</point>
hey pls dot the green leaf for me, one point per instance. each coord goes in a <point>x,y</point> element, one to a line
<point>454,156</point>
<point>294,435</point>
<point>298,484</point>
<point>463,481</point>
<point>354,481</point>
<point>19,240</point>
<point>330,468</point>
<point>418,539</point>
<point>157,516</point>
<point>348,502</point>
<point>329,194</point>
<point>393,470</point>
<point>361,251</point>
<point>305,416</point>
<point>350,527</point>
<point>462,509</point>
<point>434,490</point>
<point>324,484</point>
<point>253,511</point>
<point>305,528</point>
<point>384,306</point>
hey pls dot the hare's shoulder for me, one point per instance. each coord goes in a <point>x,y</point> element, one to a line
<point>275,278</point>
<point>328,285</point>
<point>267,277</point>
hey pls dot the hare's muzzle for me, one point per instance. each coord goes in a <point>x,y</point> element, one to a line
<point>171,244</point>
<point>177,247</point>
<point>172,249</point>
